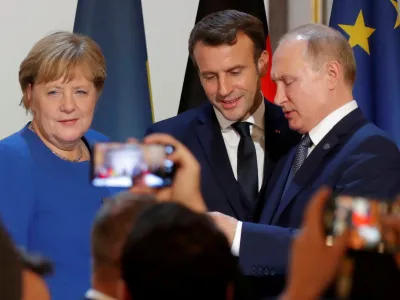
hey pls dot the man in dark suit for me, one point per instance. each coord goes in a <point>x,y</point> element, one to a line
<point>314,69</point>
<point>238,136</point>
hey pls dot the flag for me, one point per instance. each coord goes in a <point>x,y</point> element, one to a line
<point>192,91</point>
<point>373,30</point>
<point>124,109</point>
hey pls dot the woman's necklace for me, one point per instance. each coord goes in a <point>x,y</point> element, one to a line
<point>60,156</point>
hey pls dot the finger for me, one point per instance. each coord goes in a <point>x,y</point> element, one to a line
<point>212,213</point>
<point>315,209</point>
<point>141,189</point>
<point>397,201</point>
<point>162,138</point>
<point>132,141</point>
<point>392,222</point>
<point>164,195</point>
<point>341,243</point>
<point>183,157</point>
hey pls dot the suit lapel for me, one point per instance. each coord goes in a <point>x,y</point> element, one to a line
<point>317,157</point>
<point>313,161</point>
<point>279,139</point>
<point>277,186</point>
<point>211,140</point>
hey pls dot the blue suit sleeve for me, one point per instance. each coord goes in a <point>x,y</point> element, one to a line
<point>264,249</point>
<point>16,193</point>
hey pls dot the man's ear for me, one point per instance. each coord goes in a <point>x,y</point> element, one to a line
<point>122,291</point>
<point>262,63</point>
<point>333,72</point>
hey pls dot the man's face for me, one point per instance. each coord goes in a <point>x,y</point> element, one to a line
<point>302,92</point>
<point>230,77</point>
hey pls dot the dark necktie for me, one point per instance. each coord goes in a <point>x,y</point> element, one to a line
<point>247,171</point>
<point>301,155</point>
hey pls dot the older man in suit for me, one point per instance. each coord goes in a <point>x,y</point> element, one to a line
<point>315,70</point>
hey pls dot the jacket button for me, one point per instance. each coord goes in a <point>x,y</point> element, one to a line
<point>250,218</point>
<point>267,272</point>
<point>260,271</point>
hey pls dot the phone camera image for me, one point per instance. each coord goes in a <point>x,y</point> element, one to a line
<point>361,217</point>
<point>125,165</point>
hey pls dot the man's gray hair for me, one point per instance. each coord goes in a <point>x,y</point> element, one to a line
<point>325,44</point>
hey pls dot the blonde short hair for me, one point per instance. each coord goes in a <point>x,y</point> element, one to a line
<point>56,56</point>
<point>326,44</point>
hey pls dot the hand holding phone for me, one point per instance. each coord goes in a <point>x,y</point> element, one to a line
<point>185,188</point>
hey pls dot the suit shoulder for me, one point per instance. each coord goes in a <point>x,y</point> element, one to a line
<point>375,140</point>
<point>13,144</point>
<point>174,124</point>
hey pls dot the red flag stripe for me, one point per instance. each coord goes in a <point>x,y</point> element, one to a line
<point>268,87</point>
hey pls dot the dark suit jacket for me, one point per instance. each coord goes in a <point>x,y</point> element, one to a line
<point>354,158</point>
<point>199,130</point>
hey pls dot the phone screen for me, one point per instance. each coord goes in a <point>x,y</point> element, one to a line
<point>361,216</point>
<point>125,165</point>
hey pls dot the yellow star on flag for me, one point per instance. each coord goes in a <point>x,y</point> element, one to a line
<point>358,33</point>
<point>396,6</point>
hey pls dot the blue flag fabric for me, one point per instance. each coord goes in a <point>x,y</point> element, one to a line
<point>373,30</point>
<point>124,109</point>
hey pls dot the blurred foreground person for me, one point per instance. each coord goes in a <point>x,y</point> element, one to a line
<point>174,252</point>
<point>111,227</point>
<point>316,268</point>
<point>21,274</point>
<point>10,268</point>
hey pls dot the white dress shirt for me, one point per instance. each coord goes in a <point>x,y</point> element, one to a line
<point>232,139</point>
<point>316,135</point>
<point>96,295</point>
<point>323,127</point>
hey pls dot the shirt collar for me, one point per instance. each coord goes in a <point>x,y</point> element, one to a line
<point>322,129</point>
<point>96,295</point>
<point>257,118</point>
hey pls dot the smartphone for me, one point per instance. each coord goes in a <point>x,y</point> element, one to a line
<point>124,165</point>
<point>361,216</point>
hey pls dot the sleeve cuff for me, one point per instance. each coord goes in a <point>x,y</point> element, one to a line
<point>235,249</point>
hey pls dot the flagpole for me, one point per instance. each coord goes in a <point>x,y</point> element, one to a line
<point>316,11</point>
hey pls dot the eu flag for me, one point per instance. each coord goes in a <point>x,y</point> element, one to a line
<point>124,109</point>
<point>373,30</point>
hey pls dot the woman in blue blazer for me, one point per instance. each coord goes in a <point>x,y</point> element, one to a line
<point>46,200</point>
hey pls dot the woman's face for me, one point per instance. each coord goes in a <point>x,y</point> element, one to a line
<point>63,111</point>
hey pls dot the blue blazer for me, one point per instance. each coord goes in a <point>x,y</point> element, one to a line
<point>199,130</point>
<point>354,158</point>
<point>48,206</point>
